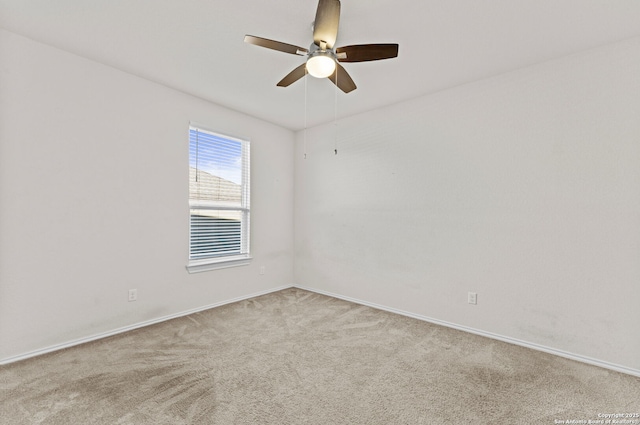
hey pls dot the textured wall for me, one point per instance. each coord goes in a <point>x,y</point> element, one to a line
<point>93,199</point>
<point>524,188</point>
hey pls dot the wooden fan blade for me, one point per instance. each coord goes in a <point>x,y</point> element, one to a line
<point>366,52</point>
<point>293,76</point>
<point>325,27</point>
<point>275,45</point>
<point>344,81</point>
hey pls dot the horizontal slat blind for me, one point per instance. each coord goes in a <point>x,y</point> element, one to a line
<point>218,195</point>
<point>215,234</point>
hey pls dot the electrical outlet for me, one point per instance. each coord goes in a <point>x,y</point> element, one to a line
<point>472,298</point>
<point>133,294</point>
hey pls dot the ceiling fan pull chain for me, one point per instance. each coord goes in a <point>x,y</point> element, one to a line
<point>335,116</point>
<point>304,136</point>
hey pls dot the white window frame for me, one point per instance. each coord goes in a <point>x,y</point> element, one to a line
<point>242,258</point>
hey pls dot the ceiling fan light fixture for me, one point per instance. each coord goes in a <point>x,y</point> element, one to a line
<point>321,64</point>
<point>323,58</point>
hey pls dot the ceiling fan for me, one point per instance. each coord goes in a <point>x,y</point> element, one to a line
<point>322,58</point>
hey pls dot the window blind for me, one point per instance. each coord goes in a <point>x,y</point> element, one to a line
<point>218,195</point>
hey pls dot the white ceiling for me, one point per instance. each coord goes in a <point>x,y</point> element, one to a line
<point>196,46</point>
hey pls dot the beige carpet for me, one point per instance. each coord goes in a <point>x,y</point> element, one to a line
<point>295,357</point>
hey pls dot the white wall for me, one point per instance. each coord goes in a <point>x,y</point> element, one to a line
<point>524,188</point>
<point>93,199</point>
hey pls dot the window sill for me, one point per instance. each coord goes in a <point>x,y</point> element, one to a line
<point>197,266</point>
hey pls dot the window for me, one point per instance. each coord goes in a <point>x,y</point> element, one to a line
<point>218,200</point>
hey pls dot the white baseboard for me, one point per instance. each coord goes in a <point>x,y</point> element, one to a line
<point>132,327</point>
<point>538,347</point>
